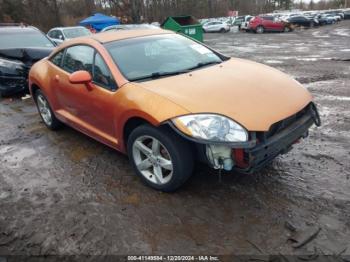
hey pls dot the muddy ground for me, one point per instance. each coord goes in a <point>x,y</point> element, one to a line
<point>63,193</point>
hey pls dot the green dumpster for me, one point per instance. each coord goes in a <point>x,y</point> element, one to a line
<point>185,24</point>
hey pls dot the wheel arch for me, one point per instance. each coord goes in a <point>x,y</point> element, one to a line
<point>133,122</point>
<point>33,88</point>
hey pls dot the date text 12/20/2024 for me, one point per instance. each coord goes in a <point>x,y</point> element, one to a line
<point>173,258</point>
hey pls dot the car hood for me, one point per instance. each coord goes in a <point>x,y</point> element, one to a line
<point>26,55</point>
<point>252,94</point>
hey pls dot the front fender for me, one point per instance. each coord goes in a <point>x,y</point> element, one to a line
<point>135,101</point>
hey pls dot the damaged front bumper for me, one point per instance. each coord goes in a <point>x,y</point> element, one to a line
<point>13,85</point>
<point>263,147</point>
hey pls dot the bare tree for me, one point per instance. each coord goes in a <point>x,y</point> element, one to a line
<point>49,13</point>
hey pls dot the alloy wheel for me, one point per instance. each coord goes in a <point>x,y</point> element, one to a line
<point>44,109</point>
<point>152,160</point>
<point>260,30</point>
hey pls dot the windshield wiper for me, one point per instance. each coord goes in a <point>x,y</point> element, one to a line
<point>156,75</point>
<point>203,64</point>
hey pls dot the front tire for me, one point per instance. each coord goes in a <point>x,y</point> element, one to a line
<point>162,159</point>
<point>260,29</point>
<point>45,111</point>
<point>286,29</point>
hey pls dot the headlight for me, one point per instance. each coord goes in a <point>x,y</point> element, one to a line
<point>10,66</point>
<point>210,127</point>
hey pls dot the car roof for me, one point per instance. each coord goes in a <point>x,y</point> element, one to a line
<point>18,29</point>
<point>111,36</point>
<point>66,27</point>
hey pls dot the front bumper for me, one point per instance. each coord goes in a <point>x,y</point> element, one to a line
<point>13,85</point>
<point>281,142</point>
<point>263,147</point>
<point>264,153</point>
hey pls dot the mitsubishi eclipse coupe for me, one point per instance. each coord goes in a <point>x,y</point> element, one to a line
<point>168,102</point>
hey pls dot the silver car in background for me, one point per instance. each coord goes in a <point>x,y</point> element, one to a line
<point>216,26</point>
<point>60,34</point>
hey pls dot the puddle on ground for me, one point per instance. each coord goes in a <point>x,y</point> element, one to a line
<point>14,155</point>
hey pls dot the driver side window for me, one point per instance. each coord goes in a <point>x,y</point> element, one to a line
<point>102,76</point>
<point>59,35</point>
<point>79,57</point>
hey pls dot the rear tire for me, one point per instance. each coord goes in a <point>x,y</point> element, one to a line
<point>222,30</point>
<point>162,159</point>
<point>45,111</point>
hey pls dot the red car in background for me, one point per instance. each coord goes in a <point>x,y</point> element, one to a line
<point>261,24</point>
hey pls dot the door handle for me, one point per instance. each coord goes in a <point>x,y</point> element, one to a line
<point>57,78</point>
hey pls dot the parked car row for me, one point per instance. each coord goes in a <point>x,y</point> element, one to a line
<point>276,22</point>
<point>288,21</point>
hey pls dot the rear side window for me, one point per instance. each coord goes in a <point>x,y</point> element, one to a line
<point>77,58</point>
<point>102,76</point>
<point>270,18</point>
<point>52,34</point>
<point>57,58</point>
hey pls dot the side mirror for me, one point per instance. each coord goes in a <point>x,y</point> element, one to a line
<point>81,77</point>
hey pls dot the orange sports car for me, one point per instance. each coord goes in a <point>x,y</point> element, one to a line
<point>168,101</point>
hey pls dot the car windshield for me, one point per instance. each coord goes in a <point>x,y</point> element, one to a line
<point>150,57</point>
<point>23,39</point>
<point>75,32</point>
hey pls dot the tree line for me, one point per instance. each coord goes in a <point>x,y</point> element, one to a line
<point>46,14</point>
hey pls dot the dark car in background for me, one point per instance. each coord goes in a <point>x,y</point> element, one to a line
<point>20,47</point>
<point>302,21</point>
<point>324,20</point>
<point>347,14</point>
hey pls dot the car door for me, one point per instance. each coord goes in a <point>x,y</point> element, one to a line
<point>301,21</point>
<point>87,108</point>
<point>214,27</point>
<point>208,27</point>
<point>268,23</point>
<point>278,24</point>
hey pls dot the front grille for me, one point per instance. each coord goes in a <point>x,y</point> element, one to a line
<point>283,124</point>
<point>13,82</point>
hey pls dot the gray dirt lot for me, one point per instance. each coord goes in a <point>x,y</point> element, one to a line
<point>63,193</point>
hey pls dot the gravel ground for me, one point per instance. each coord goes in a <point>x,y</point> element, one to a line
<point>63,193</point>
